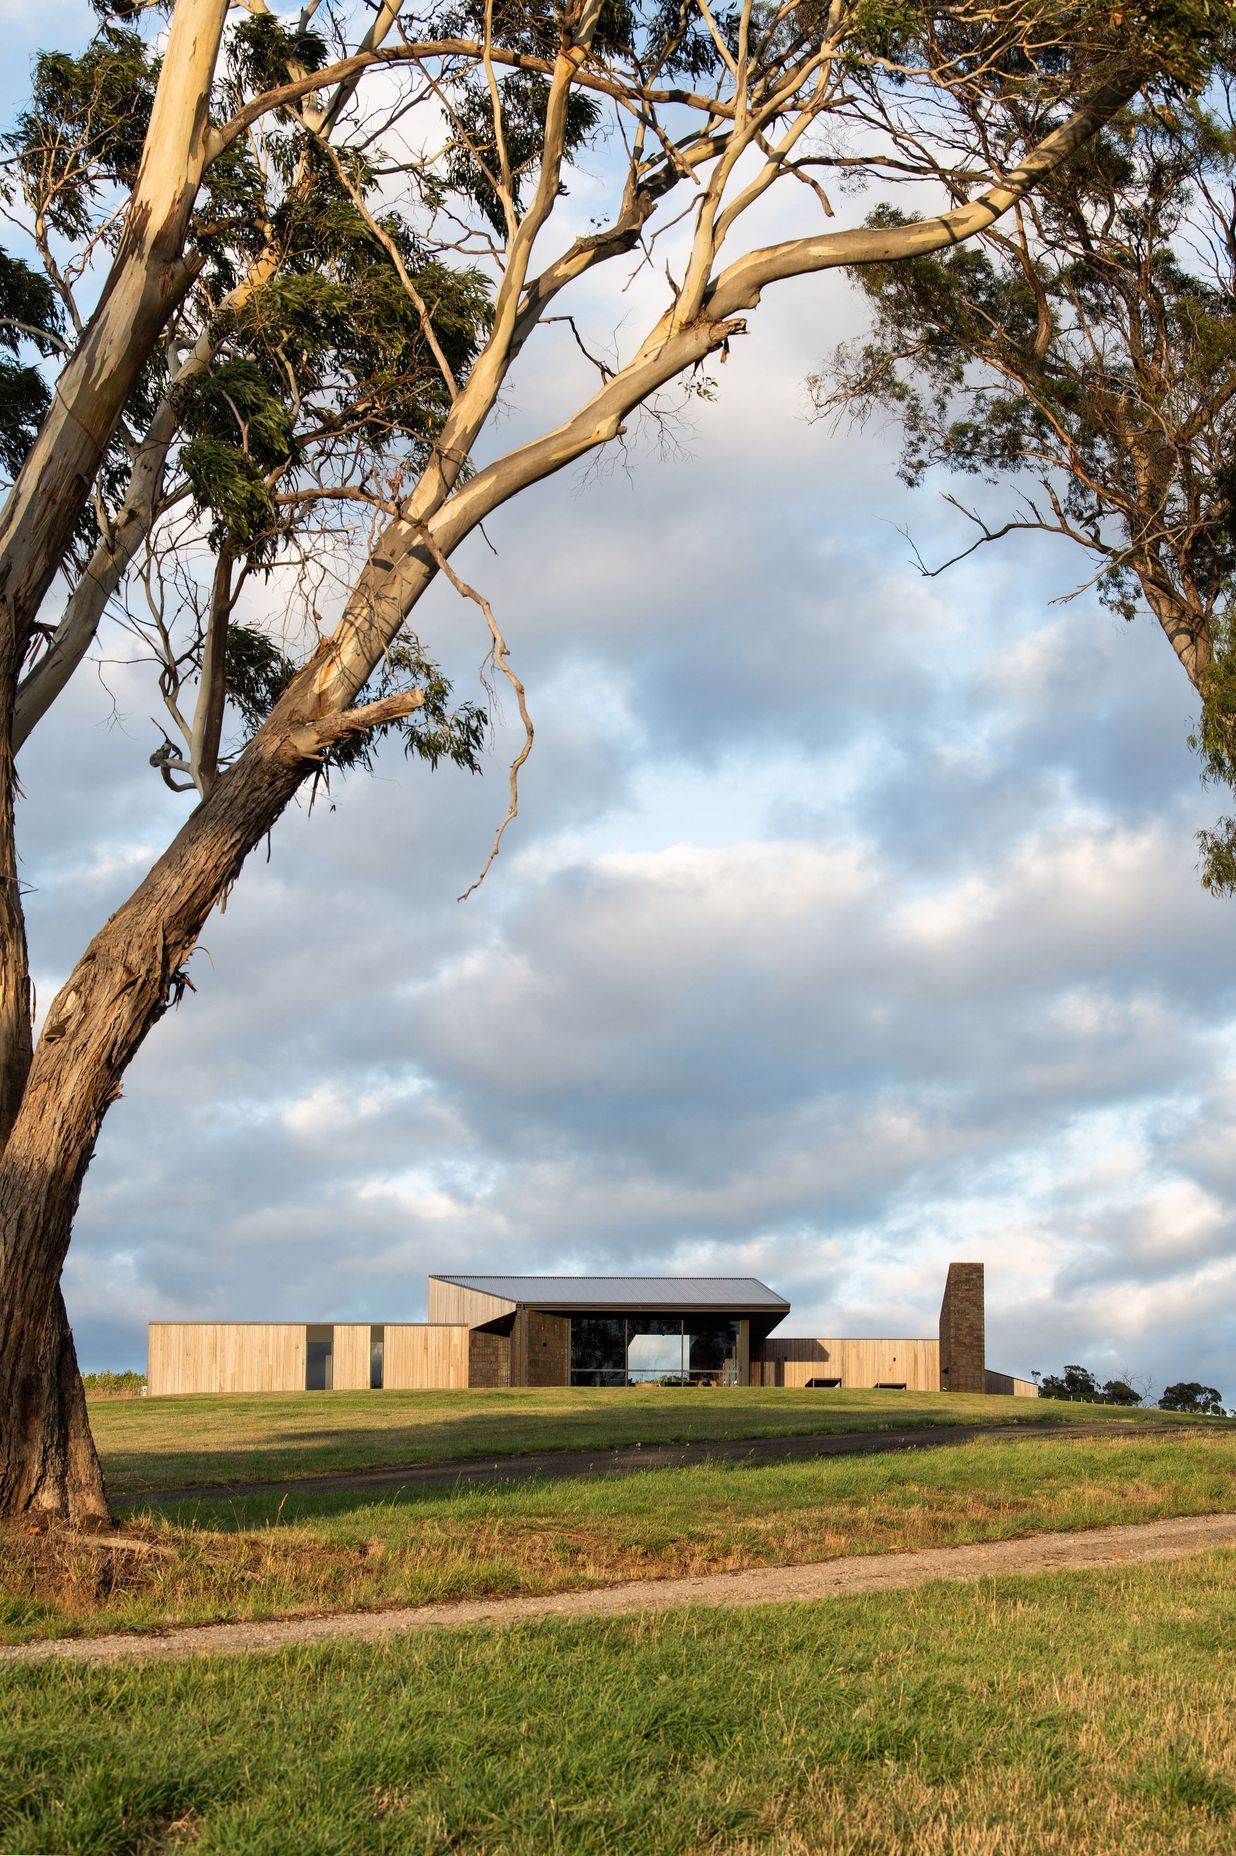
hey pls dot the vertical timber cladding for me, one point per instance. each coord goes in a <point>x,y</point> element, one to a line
<point>855,1363</point>
<point>963,1343</point>
<point>1010,1385</point>
<point>540,1348</point>
<point>420,1357</point>
<point>351,1356</point>
<point>225,1356</point>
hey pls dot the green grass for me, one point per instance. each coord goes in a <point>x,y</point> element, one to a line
<point>313,1551</point>
<point>166,1443</point>
<point>1029,1716</point>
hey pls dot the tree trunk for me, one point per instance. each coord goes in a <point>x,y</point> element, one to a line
<point>145,285</point>
<point>47,1458</point>
<point>16,1016</point>
<point>124,982</point>
<point>49,1464</point>
<point>1186,630</point>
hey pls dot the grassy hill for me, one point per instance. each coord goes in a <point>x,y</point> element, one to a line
<point>306,1549</point>
<point>154,1443</point>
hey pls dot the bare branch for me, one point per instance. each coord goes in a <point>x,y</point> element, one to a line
<point>499,654</point>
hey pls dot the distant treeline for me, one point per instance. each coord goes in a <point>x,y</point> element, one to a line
<point>1079,1383</point>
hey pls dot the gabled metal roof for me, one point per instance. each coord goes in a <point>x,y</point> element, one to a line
<point>736,1294</point>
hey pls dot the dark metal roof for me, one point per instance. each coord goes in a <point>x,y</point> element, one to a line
<point>714,1292</point>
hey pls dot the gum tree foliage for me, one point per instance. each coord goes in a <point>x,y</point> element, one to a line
<point>267,285</point>
<point>1084,352</point>
<point>1078,1384</point>
<point>1188,1395</point>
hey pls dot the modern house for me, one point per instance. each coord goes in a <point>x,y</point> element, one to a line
<point>501,1331</point>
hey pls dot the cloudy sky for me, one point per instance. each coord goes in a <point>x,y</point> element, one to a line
<point>851,924</point>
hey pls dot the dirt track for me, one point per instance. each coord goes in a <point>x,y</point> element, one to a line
<point>630,1459</point>
<point>779,1585</point>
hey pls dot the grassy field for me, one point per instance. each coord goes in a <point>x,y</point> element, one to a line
<point>311,1551</point>
<point>168,1443</point>
<point>1031,1716</point>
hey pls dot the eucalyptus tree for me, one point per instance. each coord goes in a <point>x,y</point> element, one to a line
<point>273,282</point>
<point>1083,353</point>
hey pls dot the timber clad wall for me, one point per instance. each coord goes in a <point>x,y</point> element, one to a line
<point>1008,1385</point>
<point>963,1347</point>
<point>417,1358</point>
<point>351,1356</point>
<point>216,1356</point>
<point>451,1302</point>
<point>789,1362</point>
<point>256,1356</point>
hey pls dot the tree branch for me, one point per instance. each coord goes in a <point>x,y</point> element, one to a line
<point>310,738</point>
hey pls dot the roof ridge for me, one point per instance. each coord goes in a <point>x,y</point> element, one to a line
<point>610,1290</point>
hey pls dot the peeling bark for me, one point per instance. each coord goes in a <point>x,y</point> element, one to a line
<point>124,982</point>
<point>48,1464</point>
<point>145,284</point>
<point>16,1047</point>
<point>47,1457</point>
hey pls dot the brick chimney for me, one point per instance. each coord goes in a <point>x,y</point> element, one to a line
<point>963,1361</point>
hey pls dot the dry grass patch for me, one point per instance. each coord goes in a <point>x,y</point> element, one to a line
<point>303,1553</point>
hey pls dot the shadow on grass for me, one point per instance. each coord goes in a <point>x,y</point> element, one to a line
<point>212,1444</point>
<point>514,1490</point>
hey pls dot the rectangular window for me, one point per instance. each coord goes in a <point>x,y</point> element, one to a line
<point>644,1349</point>
<point>598,1350</point>
<point>654,1349</point>
<point>319,1358</point>
<point>377,1347</point>
<point>710,1351</point>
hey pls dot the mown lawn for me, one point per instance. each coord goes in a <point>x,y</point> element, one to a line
<point>312,1551</point>
<point>165,1443</point>
<point>1028,1716</point>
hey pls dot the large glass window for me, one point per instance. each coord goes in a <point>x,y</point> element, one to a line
<point>598,1350</point>
<point>643,1349</point>
<point>710,1350</point>
<point>654,1349</point>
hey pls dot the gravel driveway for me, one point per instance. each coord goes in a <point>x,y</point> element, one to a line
<point>780,1585</point>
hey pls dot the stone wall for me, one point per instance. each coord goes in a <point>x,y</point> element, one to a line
<point>963,1343</point>
<point>540,1349</point>
<point>489,1360</point>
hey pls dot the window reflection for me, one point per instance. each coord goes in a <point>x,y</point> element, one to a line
<point>654,1349</point>
<point>643,1349</point>
<point>712,1351</point>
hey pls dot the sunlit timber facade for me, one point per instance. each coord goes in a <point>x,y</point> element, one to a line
<point>496,1332</point>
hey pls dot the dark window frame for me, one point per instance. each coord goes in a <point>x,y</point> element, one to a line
<point>613,1331</point>
<point>320,1357</point>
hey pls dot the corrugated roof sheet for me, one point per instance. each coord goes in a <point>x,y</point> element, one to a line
<point>738,1292</point>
